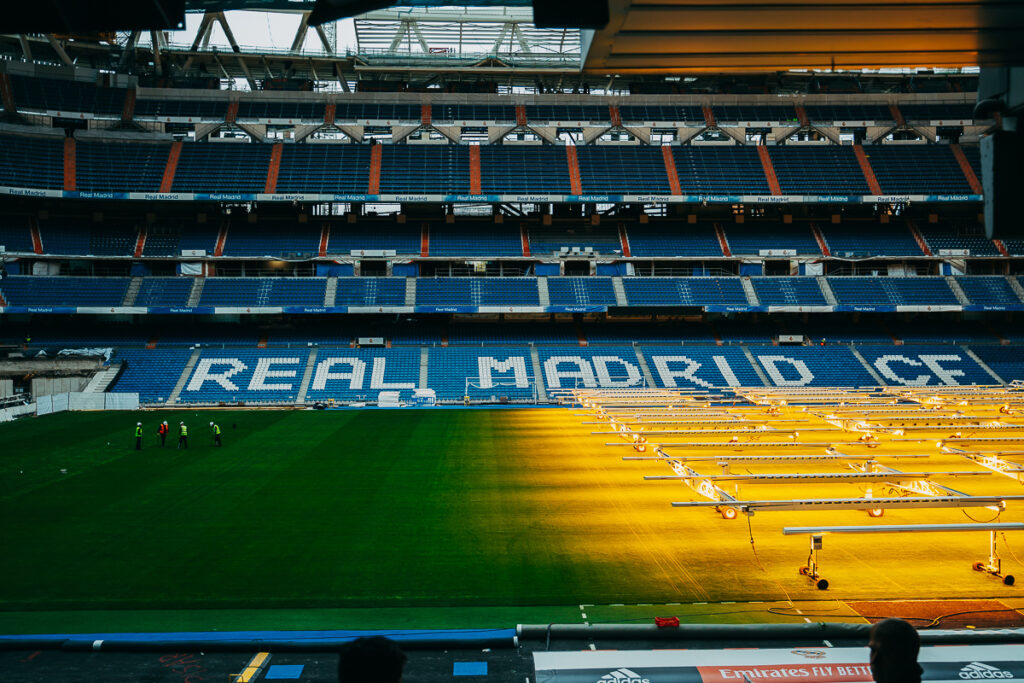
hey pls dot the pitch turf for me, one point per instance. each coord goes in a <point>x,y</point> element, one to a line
<point>517,511</point>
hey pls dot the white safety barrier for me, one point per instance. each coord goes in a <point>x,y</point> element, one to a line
<point>79,400</point>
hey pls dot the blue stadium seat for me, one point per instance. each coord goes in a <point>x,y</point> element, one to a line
<point>591,367</point>
<point>694,367</point>
<point>859,239</point>
<point>720,170</point>
<point>602,239</point>
<point>937,364</point>
<point>751,238</point>
<point>496,113</point>
<point>247,292</point>
<point>370,291</point>
<point>692,291</point>
<point>661,113</point>
<point>581,291</point>
<point>829,169</point>
<point>917,169</point>
<point>120,166</point>
<point>164,291</point>
<point>488,240</point>
<point>767,113</point>
<point>345,238</point>
<point>509,169</point>
<point>1005,361</point>
<point>958,235</point>
<point>361,374</point>
<point>251,375</point>
<point>816,366</point>
<point>504,334</point>
<point>171,238</point>
<point>196,110</point>
<point>493,374</point>
<point>472,291</point>
<point>292,240</point>
<point>988,290</point>
<point>431,169</point>
<point>593,113</point>
<point>833,113</point>
<point>29,161</point>
<point>16,234</point>
<point>33,290</point>
<point>788,291</point>
<point>264,110</point>
<point>618,170</point>
<point>324,167</point>
<point>62,95</point>
<point>222,167</point>
<point>152,373</point>
<point>892,291</point>
<point>680,239</point>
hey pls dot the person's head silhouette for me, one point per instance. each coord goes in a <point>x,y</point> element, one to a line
<point>373,658</point>
<point>894,646</point>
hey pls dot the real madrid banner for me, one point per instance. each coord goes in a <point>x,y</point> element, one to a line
<point>797,665</point>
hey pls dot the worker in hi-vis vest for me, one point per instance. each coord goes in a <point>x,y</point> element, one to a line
<point>182,435</point>
<point>162,430</point>
<point>138,436</point>
<point>216,433</point>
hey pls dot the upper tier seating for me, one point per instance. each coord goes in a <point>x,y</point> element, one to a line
<point>937,112</point>
<point>370,291</point>
<point>698,239</point>
<point>764,113</point>
<point>295,240</point>
<point>829,113</point>
<point>788,291</point>
<point>497,334</point>
<point>830,169</point>
<point>324,167</point>
<point>622,169</point>
<point>506,169</point>
<point>29,161</point>
<point>988,290</point>
<point>376,111</point>
<point>661,113</point>
<point>498,113</point>
<point>466,291</point>
<point>581,291</point>
<point>720,170</point>
<point>246,292</point>
<point>857,239</point>
<point>957,235</point>
<point>222,167</point>
<point>152,373</point>
<point>170,239</point>
<point>49,94</point>
<point>196,110</point>
<point>475,240</point>
<point>751,238</point>
<point>892,291</point>
<point>594,113</point>
<point>692,291</point>
<point>917,169</point>
<point>602,239</point>
<point>263,110</point>
<point>345,238</point>
<point>123,166</point>
<point>29,290</point>
<point>164,291</point>
<point>1005,361</point>
<point>434,169</point>
<point>15,233</point>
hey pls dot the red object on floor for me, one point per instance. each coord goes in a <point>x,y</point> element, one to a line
<point>666,622</point>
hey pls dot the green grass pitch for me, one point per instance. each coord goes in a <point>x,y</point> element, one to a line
<point>385,518</point>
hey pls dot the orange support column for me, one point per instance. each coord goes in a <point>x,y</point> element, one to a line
<point>524,237</point>
<point>670,170</point>
<point>614,115</point>
<point>375,157</point>
<point>128,111</point>
<point>822,244</point>
<point>172,166</point>
<point>925,249</point>
<point>474,169</point>
<point>325,236</point>
<point>275,167</point>
<point>722,240</point>
<point>6,94</point>
<point>574,169</point>
<point>37,238</point>
<point>329,113</point>
<point>520,114</point>
<point>426,112</point>
<point>624,240</point>
<point>69,165</point>
<point>709,116</point>
<point>802,117</point>
<point>897,115</point>
<point>140,243</point>
<point>865,167</point>
<point>769,170</point>
<point>965,166</point>
<point>222,237</point>
<point>425,240</point>
<point>232,112</point>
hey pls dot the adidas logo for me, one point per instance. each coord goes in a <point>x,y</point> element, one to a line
<point>623,676</point>
<point>976,671</point>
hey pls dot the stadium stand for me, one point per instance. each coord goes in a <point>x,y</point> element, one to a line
<point>601,239</point>
<point>120,166</point>
<point>661,113</point>
<point>496,374</point>
<point>475,240</point>
<point>503,334</point>
<point>255,110</point>
<point>150,372</point>
<point>693,367</point>
<point>788,291</point>
<point>509,169</point>
<point>832,113</point>
<point>15,234</point>
<point>361,374</point>
<point>491,113</point>
<point>622,169</point>
<point>917,169</point>
<point>720,170</point>
<point>581,291</point>
<point>29,290</point>
<point>697,291</point>
<point>606,366</point>
<point>164,291</point>
<point>860,240</point>
<point>222,167</point>
<point>988,290</point>
<point>820,366</point>
<point>171,238</point>
<point>1005,361</point>
<point>698,239</point>
<point>369,291</point>
<point>912,365</point>
<point>61,95</point>
<point>272,239</point>
<point>32,161</point>
<point>969,236</point>
<point>244,292</point>
<point>892,291</point>
<point>324,167</point>
<point>345,238</point>
<point>454,291</point>
<point>249,375</point>
<point>752,238</point>
<point>763,113</point>
<point>829,169</point>
<point>436,169</point>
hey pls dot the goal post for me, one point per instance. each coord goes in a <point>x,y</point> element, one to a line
<point>500,391</point>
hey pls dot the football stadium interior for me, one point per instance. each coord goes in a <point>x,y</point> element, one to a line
<point>556,341</point>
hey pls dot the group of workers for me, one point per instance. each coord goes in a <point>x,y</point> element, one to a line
<point>163,430</point>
